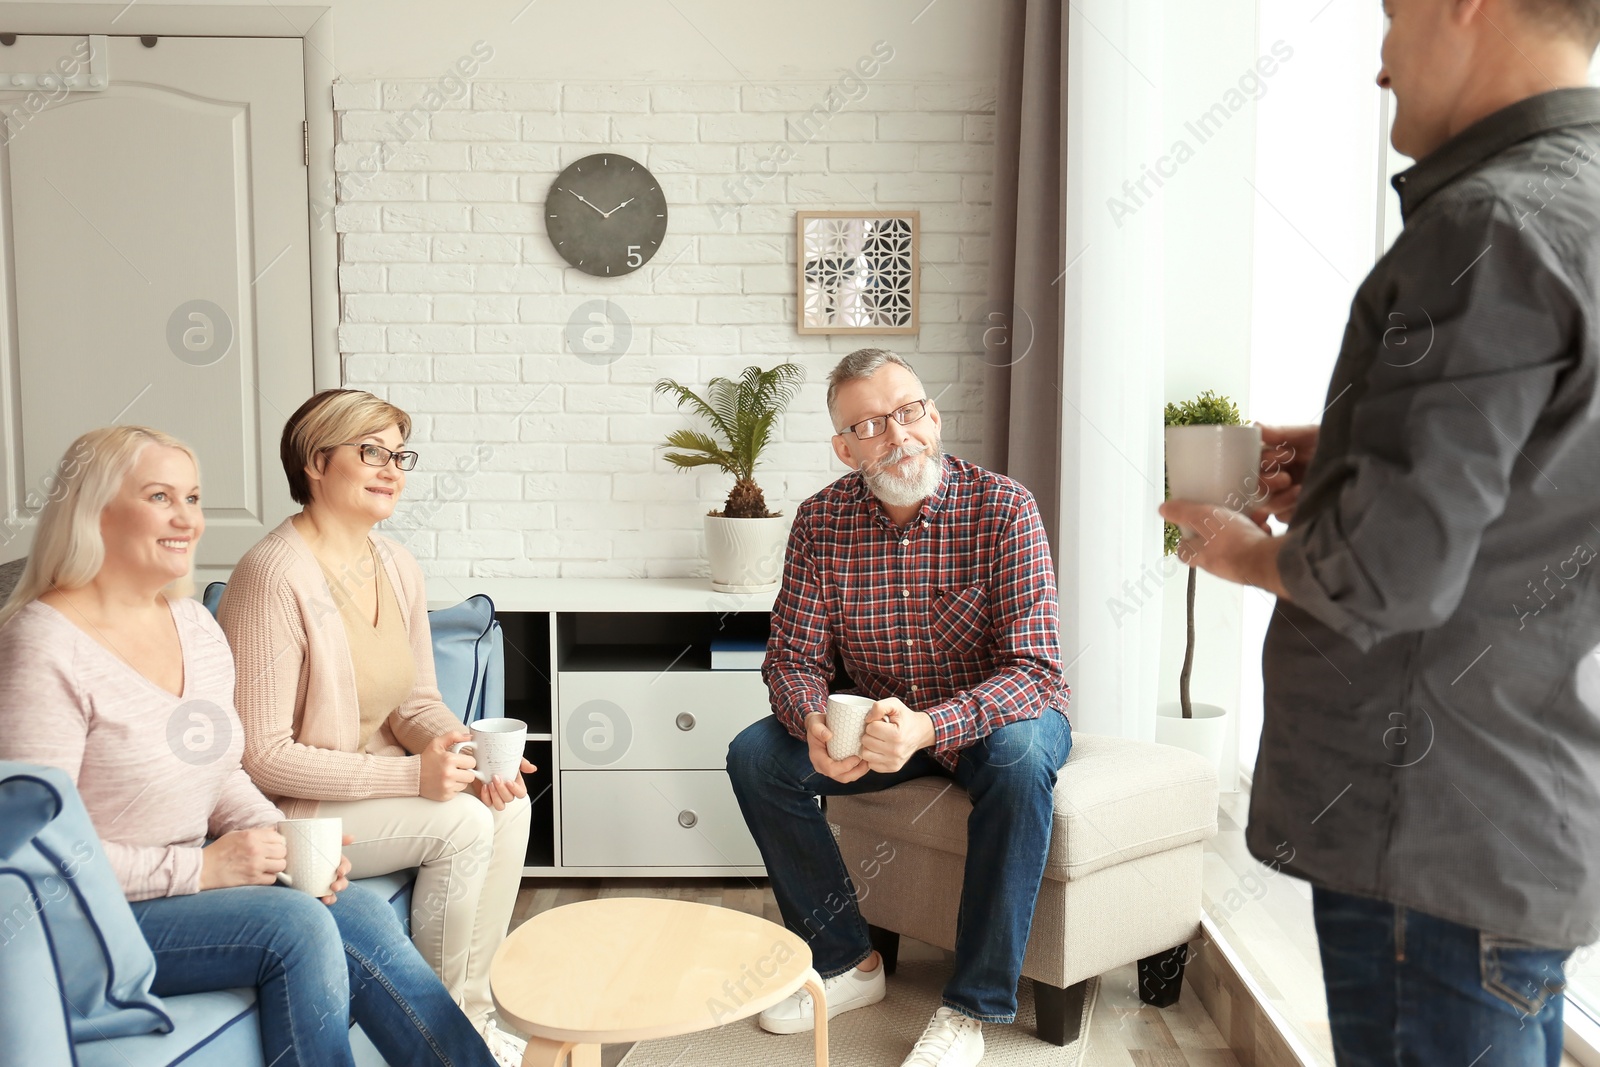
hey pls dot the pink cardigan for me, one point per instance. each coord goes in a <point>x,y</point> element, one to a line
<point>158,773</point>
<point>297,687</point>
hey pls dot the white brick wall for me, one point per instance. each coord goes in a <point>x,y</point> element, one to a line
<point>455,304</point>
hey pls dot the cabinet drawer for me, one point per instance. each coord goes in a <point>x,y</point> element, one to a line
<point>642,719</point>
<point>653,819</point>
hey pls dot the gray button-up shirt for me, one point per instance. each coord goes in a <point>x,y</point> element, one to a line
<point>1432,731</point>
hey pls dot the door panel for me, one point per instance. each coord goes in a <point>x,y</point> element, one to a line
<point>157,267</point>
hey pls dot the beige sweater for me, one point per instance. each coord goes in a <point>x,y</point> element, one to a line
<point>297,685</point>
<point>158,772</point>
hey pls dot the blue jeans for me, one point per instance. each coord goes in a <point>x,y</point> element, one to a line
<point>314,967</point>
<point>1406,989</point>
<point>1010,776</point>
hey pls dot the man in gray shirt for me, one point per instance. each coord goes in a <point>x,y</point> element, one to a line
<point>1430,757</point>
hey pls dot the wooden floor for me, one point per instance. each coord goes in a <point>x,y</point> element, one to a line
<point>1124,1032</point>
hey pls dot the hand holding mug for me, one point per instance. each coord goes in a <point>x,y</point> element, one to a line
<point>1286,452</point>
<point>893,733</point>
<point>817,737</point>
<point>243,857</point>
<point>496,746</point>
<point>445,773</point>
<point>498,792</point>
<point>341,880</point>
<point>316,862</point>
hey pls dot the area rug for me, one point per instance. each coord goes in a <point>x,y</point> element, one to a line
<point>867,1037</point>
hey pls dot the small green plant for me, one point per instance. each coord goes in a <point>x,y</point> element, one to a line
<point>742,415</point>
<point>1207,409</point>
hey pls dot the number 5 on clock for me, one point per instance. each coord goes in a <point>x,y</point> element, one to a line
<point>634,259</point>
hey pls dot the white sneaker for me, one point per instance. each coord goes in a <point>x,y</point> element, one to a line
<point>951,1040</point>
<point>507,1049</point>
<point>854,988</point>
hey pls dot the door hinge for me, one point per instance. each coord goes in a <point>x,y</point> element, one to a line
<point>305,142</point>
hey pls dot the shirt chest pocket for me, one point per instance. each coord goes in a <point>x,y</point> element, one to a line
<point>958,618</point>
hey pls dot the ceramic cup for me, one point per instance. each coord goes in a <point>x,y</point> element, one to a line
<point>1215,465</point>
<point>315,846</point>
<point>497,746</point>
<point>847,717</point>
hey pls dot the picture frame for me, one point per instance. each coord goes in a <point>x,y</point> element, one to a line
<point>857,271</point>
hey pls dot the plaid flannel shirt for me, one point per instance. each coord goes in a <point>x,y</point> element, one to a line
<point>954,613</point>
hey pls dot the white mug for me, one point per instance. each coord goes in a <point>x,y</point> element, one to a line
<point>847,717</point>
<point>1218,465</point>
<point>497,746</point>
<point>314,850</point>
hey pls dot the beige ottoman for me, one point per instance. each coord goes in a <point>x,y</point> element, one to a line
<point>1121,883</point>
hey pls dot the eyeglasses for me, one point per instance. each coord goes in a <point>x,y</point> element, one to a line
<point>378,456</point>
<point>867,429</point>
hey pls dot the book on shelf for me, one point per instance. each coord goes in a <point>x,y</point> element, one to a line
<point>737,653</point>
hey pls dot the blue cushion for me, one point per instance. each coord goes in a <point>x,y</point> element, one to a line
<point>221,1027</point>
<point>469,658</point>
<point>50,844</point>
<point>33,1014</point>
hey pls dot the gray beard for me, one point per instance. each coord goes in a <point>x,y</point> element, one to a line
<point>900,491</point>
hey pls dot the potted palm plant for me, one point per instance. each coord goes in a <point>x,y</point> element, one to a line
<point>744,541</point>
<point>1213,459</point>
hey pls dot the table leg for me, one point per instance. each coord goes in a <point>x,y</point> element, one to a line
<point>819,1007</point>
<point>543,1053</point>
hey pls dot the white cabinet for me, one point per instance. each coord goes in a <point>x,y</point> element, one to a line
<point>627,722</point>
<point>634,719</point>
<point>652,819</point>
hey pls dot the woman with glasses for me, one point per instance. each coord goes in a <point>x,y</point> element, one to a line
<point>342,717</point>
<point>101,652</point>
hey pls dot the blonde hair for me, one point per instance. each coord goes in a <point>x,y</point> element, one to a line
<point>68,550</point>
<point>330,418</point>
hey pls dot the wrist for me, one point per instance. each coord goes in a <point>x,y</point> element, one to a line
<point>1264,572</point>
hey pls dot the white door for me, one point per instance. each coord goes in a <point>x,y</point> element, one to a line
<point>156,268</point>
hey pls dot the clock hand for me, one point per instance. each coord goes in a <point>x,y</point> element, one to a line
<point>580,197</point>
<point>619,207</point>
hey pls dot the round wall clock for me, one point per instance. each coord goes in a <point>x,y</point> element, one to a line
<point>606,214</point>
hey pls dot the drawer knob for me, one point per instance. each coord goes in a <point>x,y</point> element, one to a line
<point>685,721</point>
<point>687,819</point>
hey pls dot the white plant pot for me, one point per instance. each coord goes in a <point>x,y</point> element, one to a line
<point>746,555</point>
<point>1215,465</point>
<point>1204,734</point>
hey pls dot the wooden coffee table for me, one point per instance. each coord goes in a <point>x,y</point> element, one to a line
<point>634,968</point>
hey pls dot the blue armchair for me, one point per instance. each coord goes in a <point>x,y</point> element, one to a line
<point>40,1023</point>
<point>74,971</point>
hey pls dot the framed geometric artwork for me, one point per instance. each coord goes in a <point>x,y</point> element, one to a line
<point>856,272</point>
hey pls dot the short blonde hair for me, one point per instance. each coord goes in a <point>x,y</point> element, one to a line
<point>68,550</point>
<point>331,418</point>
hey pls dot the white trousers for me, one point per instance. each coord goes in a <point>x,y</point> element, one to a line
<point>470,858</point>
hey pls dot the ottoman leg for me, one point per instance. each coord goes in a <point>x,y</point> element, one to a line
<point>1161,977</point>
<point>887,942</point>
<point>1058,1012</point>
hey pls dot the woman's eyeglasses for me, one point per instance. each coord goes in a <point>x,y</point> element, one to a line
<point>378,456</point>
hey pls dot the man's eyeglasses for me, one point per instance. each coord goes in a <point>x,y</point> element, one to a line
<point>378,456</point>
<point>867,429</point>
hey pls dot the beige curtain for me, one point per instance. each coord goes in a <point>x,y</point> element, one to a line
<point>1074,387</point>
<point>1023,334</point>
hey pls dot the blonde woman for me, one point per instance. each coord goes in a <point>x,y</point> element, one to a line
<point>104,664</point>
<point>329,624</point>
